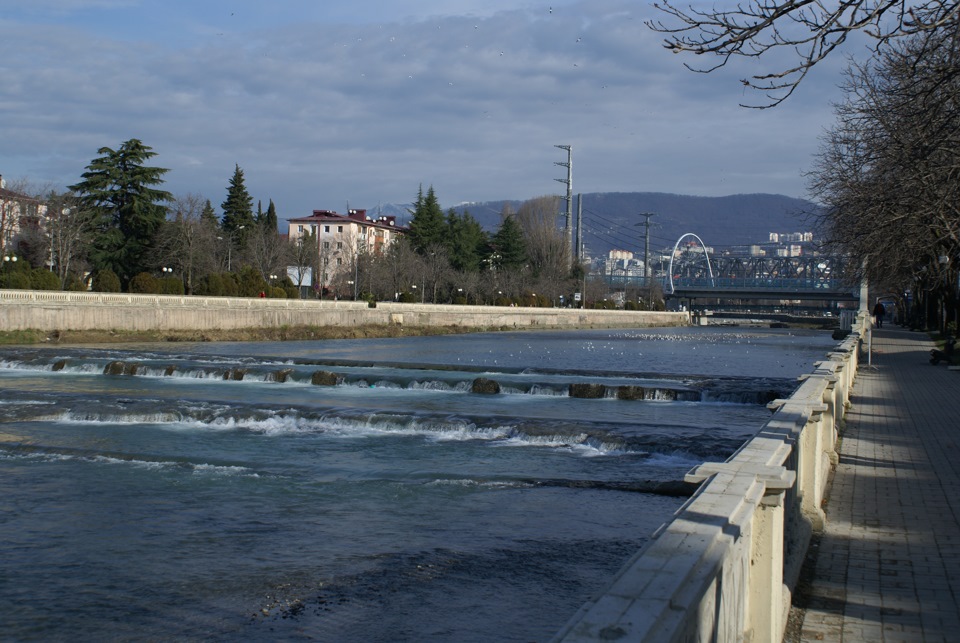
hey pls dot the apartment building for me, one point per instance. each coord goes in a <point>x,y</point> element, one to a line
<point>342,237</point>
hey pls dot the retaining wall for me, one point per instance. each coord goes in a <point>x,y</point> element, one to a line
<point>724,568</point>
<point>52,311</point>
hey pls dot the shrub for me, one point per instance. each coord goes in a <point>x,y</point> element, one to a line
<point>170,286</point>
<point>277,292</point>
<point>16,280</point>
<point>250,283</point>
<point>75,284</point>
<point>144,283</point>
<point>106,281</point>
<point>41,279</point>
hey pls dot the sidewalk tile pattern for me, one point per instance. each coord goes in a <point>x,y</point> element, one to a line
<point>888,567</point>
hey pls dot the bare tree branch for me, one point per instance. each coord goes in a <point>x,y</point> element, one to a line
<point>812,29</point>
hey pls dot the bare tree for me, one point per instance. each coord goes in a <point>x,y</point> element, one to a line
<point>547,246</point>
<point>810,29</point>
<point>267,252</point>
<point>69,226</point>
<point>889,170</point>
<point>305,256</point>
<point>185,241</point>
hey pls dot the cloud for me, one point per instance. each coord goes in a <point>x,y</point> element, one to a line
<point>469,97</point>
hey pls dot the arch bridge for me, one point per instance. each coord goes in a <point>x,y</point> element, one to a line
<point>692,273</point>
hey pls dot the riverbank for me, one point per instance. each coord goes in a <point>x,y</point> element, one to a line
<point>43,317</point>
<point>265,334</point>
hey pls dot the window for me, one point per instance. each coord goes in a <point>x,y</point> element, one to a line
<point>339,228</point>
<point>300,229</point>
<point>339,261</point>
<point>339,245</point>
<point>326,228</point>
<point>326,245</point>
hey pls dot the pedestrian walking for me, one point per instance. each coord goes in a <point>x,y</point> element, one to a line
<point>878,312</point>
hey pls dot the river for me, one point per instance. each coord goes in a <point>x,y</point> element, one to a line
<point>356,490</point>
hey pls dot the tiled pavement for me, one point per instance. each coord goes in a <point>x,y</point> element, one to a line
<point>888,563</point>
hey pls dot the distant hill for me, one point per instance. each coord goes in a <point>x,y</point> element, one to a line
<point>611,218</point>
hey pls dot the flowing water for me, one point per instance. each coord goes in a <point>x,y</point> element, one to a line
<point>356,490</point>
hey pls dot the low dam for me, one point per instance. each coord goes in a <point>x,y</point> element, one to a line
<point>52,311</point>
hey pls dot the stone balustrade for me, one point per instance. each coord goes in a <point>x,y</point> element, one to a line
<point>724,568</point>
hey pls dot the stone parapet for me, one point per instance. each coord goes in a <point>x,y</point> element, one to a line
<point>724,568</point>
<point>50,311</point>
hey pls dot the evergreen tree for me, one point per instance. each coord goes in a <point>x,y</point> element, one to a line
<point>119,188</point>
<point>466,241</point>
<point>270,221</point>
<point>208,215</point>
<point>428,227</point>
<point>237,209</point>
<point>509,247</point>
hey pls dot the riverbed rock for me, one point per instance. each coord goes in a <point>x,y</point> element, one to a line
<point>485,386</point>
<point>120,368</point>
<point>235,374</point>
<point>631,393</point>
<point>324,378</point>
<point>588,391</point>
<point>282,375</point>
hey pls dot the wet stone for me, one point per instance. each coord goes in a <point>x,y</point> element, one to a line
<point>485,386</point>
<point>324,378</point>
<point>588,391</point>
<point>631,393</point>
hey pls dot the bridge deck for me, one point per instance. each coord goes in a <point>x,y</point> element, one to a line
<point>888,564</point>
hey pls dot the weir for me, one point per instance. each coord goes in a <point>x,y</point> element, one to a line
<point>51,311</point>
<point>724,568</point>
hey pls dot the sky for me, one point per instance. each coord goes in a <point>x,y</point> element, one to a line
<point>336,104</point>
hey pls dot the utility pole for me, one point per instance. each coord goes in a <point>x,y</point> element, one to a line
<point>568,226</point>
<point>646,252</point>
<point>578,250</point>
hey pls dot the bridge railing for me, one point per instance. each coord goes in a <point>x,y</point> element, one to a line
<point>724,568</point>
<point>788,284</point>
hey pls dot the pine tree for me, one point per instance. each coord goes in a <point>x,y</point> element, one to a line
<point>119,187</point>
<point>237,209</point>
<point>428,227</point>
<point>509,247</point>
<point>466,241</point>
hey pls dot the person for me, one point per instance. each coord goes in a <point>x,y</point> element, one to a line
<point>879,311</point>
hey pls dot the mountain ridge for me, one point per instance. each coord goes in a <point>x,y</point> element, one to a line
<point>616,220</point>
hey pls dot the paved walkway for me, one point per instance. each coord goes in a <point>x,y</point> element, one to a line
<point>888,564</point>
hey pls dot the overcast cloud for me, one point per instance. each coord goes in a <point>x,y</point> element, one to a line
<point>360,102</point>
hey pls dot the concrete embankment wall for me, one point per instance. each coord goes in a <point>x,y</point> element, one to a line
<point>724,568</point>
<point>52,311</point>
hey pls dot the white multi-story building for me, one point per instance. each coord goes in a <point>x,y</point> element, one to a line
<point>341,238</point>
<point>16,211</point>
